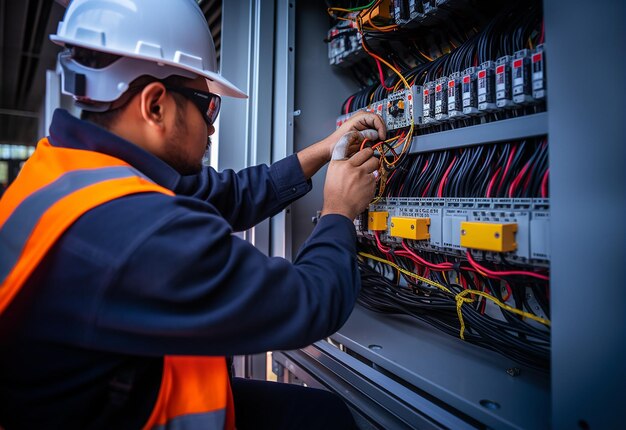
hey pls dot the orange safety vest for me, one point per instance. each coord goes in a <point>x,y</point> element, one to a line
<point>55,187</point>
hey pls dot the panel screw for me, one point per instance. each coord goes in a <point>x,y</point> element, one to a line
<point>513,371</point>
<point>392,224</point>
<point>497,235</point>
<point>412,227</point>
<point>463,232</point>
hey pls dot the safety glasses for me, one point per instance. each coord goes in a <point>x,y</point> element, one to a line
<point>208,103</point>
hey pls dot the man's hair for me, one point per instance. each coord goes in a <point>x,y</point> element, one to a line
<point>99,60</point>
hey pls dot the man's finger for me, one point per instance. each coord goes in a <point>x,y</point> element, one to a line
<point>370,165</point>
<point>362,156</point>
<point>369,134</point>
<point>372,120</point>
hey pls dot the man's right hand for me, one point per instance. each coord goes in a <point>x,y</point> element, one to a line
<point>350,184</point>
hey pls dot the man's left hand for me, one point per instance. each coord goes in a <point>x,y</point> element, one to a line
<point>358,122</point>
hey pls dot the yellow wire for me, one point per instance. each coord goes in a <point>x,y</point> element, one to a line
<point>460,297</point>
<point>425,56</point>
<point>358,19</point>
<point>406,272</point>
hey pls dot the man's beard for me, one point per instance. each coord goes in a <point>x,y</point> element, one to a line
<point>177,156</point>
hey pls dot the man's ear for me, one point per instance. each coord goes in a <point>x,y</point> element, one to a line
<point>152,104</point>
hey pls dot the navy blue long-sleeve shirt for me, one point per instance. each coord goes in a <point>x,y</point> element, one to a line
<point>148,275</point>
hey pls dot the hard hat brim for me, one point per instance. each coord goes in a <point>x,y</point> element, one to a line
<point>217,83</point>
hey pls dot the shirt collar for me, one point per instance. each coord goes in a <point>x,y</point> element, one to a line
<point>68,131</point>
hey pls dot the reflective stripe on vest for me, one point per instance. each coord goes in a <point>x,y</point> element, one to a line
<point>56,187</point>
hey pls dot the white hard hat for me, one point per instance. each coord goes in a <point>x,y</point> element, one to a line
<point>154,37</point>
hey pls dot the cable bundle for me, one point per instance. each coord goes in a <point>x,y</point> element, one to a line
<point>518,169</point>
<point>452,296</point>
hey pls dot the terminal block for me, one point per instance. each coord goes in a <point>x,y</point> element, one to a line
<point>397,112</point>
<point>402,108</point>
<point>522,85</point>
<point>539,73</point>
<point>428,103</point>
<point>470,93</point>
<point>488,236</point>
<point>504,88</point>
<point>344,46</point>
<point>525,231</point>
<point>377,221</point>
<point>410,228</point>
<point>401,12</point>
<point>418,112</point>
<point>343,118</point>
<point>441,99</point>
<point>408,12</point>
<point>486,87</point>
<point>429,6</point>
<point>455,96</point>
<point>378,108</point>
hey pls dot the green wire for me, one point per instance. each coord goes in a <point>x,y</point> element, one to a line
<point>354,9</point>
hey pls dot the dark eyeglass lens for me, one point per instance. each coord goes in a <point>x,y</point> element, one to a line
<point>213,109</point>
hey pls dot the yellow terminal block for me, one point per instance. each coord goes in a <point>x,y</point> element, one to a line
<point>488,236</point>
<point>377,221</point>
<point>410,228</point>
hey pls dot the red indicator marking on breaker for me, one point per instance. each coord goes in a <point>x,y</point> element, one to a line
<point>425,92</point>
<point>482,74</point>
<point>438,88</point>
<point>451,84</point>
<point>537,57</point>
<point>500,69</point>
<point>379,108</point>
<point>466,79</point>
<point>409,97</point>
<point>517,64</point>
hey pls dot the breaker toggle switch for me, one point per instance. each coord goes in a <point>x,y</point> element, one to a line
<point>489,236</point>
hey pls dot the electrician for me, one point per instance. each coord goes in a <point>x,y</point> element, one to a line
<point>122,285</point>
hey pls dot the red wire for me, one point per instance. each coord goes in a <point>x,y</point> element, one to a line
<point>382,76</point>
<point>506,168</point>
<point>491,182</point>
<point>380,245</point>
<point>426,189</point>
<point>348,103</point>
<point>493,273</point>
<point>389,180</point>
<point>544,184</point>
<point>518,179</point>
<point>543,33</point>
<point>424,169</point>
<point>527,181</point>
<point>445,178</point>
<point>418,260</point>
<point>441,266</point>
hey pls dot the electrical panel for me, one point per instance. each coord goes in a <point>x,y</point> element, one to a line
<point>445,218</point>
<point>457,238</point>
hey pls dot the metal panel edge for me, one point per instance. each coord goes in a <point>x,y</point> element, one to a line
<point>497,131</point>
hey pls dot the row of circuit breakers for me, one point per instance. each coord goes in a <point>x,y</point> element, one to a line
<point>509,82</point>
<point>344,47</point>
<point>518,227</point>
